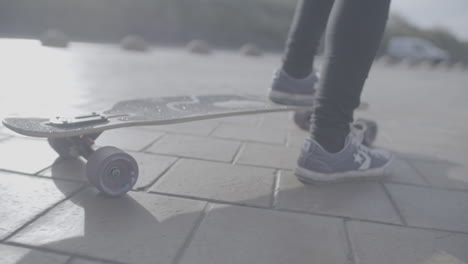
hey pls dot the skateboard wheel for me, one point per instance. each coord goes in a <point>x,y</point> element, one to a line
<point>370,130</point>
<point>302,119</point>
<point>64,147</point>
<point>112,171</point>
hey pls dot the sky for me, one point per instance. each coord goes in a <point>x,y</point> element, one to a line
<point>450,14</point>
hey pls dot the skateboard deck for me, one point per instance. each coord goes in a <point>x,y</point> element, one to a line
<point>113,171</point>
<point>145,112</point>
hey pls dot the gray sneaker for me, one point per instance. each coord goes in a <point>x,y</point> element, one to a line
<point>288,90</point>
<point>354,161</point>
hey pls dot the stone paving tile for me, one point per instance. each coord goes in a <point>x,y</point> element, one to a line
<point>443,174</point>
<point>278,121</point>
<point>70,169</point>
<point>200,128</point>
<point>232,234</point>
<point>18,255</point>
<point>84,261</point>
<point>244,120</point>
<point>196,147</point>
<point>150,167</point>
<point>3,136</point>
<point>131,139</point>
<point>26,155</point>
<point>384,244</point>
<point>138,228</point>
<point>443,257</point>
<point>265,135</point>
<point>424,207</point>
<point>269,156</point>
<point>224,182</point>
<point>400,171</point>
<point>363,200</point>
<point>296,138</point>
<point>23,197</point>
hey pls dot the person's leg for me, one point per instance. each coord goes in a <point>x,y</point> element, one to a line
<point>332,153</point>
<point>304,37</point>
<point>353,36</point>
<point>295,82</point>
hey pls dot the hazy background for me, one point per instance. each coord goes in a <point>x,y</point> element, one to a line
<point>225,23</point>
<point>450,14</point>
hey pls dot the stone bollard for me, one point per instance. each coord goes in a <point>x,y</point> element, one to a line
<point>134,43</point>
<point>251,50</point>
<point>199,47</point>
<point>54,38</point>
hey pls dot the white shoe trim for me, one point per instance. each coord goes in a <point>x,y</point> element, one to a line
<point>310,176</point>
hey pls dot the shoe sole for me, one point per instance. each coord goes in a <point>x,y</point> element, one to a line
<point>309,176</point>
<point>291,99</point>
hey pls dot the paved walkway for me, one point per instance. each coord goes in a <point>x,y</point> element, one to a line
<point>222,191</point>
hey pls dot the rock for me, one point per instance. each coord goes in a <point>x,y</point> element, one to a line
<point>199,47</point>
<point>251,50</point>
<point>134,43</point>
<point>54,38</point>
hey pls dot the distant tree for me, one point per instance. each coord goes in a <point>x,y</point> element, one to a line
<point>228,23</point>
<point>398,26</point>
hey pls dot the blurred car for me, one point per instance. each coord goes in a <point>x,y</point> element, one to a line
<point>416,50</point>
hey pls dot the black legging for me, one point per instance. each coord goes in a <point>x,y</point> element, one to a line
<point>354,32</point>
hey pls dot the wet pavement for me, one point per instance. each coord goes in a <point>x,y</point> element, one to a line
<point>223,190</point>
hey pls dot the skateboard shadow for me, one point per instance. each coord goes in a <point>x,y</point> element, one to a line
<point>137,228</point>
<point>95,219</point>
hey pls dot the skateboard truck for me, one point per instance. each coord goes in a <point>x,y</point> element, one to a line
<point>109,169</point>
<point>92,118</point>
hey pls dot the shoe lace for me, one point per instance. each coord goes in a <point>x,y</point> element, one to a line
<point>365,149</point>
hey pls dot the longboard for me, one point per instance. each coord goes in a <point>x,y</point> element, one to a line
<point>115,172</point>
<point>145,112</point>
<point>110,169</point>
